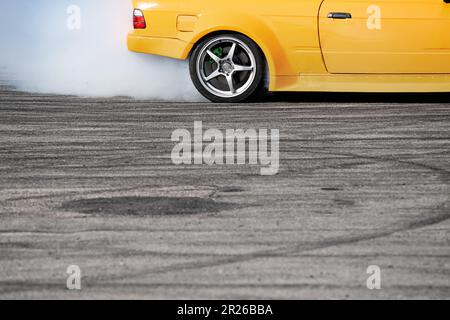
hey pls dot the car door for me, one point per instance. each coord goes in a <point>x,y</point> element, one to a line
<point>385,36</point>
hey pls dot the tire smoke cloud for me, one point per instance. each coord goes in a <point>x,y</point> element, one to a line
<point>78,47</point>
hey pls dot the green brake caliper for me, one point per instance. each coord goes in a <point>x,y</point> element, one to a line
<point>218,52</point>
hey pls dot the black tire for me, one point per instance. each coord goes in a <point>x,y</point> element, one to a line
<point>245,55</point>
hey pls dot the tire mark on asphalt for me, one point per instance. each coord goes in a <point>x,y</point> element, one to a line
<point>302,247</point>
<point>215,188</point>
<point>352,239</point>
<point>101,191</point>
<point>56,287</point>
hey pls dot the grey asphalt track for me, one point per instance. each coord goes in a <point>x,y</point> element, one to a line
<point>364,180</point>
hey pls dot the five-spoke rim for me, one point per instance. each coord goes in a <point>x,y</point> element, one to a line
<point>226,67</point>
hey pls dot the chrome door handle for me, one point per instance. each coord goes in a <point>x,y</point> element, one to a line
<point>341,15</point>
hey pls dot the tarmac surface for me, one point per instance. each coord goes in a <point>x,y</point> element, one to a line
<point>363,180</point>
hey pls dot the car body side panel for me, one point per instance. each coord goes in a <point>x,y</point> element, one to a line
<point>287,34</point>
<point>287,31</point>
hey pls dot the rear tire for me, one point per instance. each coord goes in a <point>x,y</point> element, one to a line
<point>228,68</point>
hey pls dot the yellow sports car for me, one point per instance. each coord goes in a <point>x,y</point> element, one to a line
<point>237,48</point>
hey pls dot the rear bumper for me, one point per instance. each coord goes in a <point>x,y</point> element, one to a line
<point>168,47</point>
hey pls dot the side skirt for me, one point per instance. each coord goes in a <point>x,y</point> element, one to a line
<point>361,83</point>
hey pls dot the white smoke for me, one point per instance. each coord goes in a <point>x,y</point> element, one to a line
<point>40,53</point>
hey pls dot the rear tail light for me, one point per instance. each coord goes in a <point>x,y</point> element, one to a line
<point>139,19</point>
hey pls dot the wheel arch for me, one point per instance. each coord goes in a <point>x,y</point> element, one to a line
<point>264,37</point>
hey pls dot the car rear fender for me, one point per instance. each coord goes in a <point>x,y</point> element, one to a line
<point>248,25</point>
